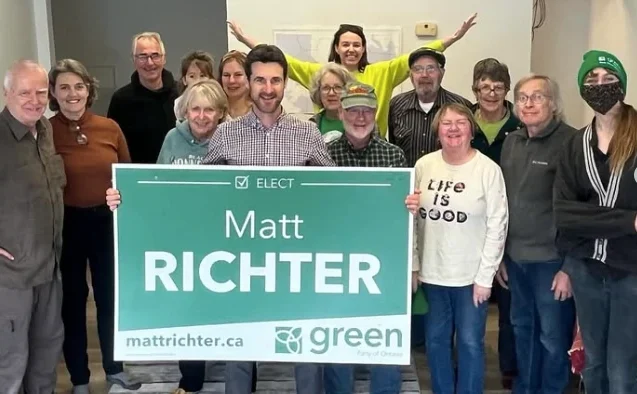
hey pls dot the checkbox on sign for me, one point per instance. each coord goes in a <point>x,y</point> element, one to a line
<point>241,182</point>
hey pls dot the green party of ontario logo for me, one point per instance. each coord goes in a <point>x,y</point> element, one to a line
<point>288,340</point>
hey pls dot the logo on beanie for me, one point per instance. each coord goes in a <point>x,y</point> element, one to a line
<point>608,60</point>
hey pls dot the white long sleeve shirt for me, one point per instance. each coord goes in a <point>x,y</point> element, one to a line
<point>461,226</point>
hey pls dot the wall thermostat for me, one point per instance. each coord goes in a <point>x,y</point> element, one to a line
<point>426,29</point>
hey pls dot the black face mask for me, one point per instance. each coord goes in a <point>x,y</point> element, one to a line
<point>601,98</point>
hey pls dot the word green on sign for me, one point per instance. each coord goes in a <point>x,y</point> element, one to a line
<point>289,339</point>
<point>211,261</point>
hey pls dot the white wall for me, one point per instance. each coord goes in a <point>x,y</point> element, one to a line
<point>614,29</point>
<point>17,34</point>
<point>505,38</point>
<point>573,27</point>
<point>558,47</point>
<point>43,26</point>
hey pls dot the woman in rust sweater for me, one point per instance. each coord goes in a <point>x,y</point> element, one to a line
<point>89,144</point>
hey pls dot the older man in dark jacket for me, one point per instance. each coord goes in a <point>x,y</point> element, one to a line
<point>31,211</point>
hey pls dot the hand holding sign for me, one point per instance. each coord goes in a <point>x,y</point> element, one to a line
<point>412,202</point>
<point>113,198</point>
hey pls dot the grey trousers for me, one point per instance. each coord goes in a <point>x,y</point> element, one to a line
<point>31,337</point>
<point>308,377</point>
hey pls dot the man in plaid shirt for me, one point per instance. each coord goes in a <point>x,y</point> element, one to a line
<point>267,136</point>
<point>359,146</point>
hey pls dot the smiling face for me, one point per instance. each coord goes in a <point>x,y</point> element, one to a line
<point>426,76</point>
<point>149,59</point>
<point>350,49</point>
<point>71,93</point>
<point>358,121</point>
<point>202,116</point>
<point>27,96</point>
<point>534,105</point>
<point>267,84</point>
<point>331,89</point>
<point>454,131</point>
<point>194,75</point>
<point>490,95</point>
<point>233,80</point>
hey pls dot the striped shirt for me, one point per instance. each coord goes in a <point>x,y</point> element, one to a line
<point>410,127</point>
<point>595,208</point>
<point>245,141</point>
<point>378,153</point>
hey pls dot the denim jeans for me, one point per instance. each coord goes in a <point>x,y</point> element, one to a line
<point>452,308</point>
<point>607,314</point>
<point>543,328</point>
<point>384,379</point>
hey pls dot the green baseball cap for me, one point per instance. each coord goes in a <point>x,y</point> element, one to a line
<point>359,94</point>
<point>596,58</point>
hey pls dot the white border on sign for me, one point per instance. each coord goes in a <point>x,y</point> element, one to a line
<point>200,167</point>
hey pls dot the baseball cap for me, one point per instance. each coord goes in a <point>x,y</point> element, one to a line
<point>420,52</point>
<point>359,94</point>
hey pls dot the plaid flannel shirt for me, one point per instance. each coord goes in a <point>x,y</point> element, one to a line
<point>245,141</point>
<point>379,153</point>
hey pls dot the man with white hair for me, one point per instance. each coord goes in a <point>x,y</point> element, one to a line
<point>144,109</point>
<point>361,146</point>
<point>31,218</point>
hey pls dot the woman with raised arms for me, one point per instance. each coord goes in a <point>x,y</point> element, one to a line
<point>349,48</point>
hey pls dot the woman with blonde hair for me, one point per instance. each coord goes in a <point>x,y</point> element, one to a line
<point>596,216</point>
<point>460,233</point>
<point>203,107</point>
<point>327,86</point>
<point>232,77</point>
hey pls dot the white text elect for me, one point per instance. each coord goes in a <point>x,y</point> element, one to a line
<point>245,182</point>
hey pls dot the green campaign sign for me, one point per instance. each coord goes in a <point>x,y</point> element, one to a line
<point>294,264</point>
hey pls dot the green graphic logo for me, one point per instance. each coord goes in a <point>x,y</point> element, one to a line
<point>288,340</point>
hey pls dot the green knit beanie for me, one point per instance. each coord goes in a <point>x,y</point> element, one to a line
<point>595,58</point>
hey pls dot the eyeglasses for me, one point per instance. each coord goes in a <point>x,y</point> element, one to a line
<point>80,137</point>
<point>488,89</point>
<point>143,57</point>
<point>536,98</point>
<point>327,89</point>
<point>429,69</point>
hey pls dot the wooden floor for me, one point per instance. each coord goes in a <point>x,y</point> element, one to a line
<point>273,378</point>
<point>99,386</point>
